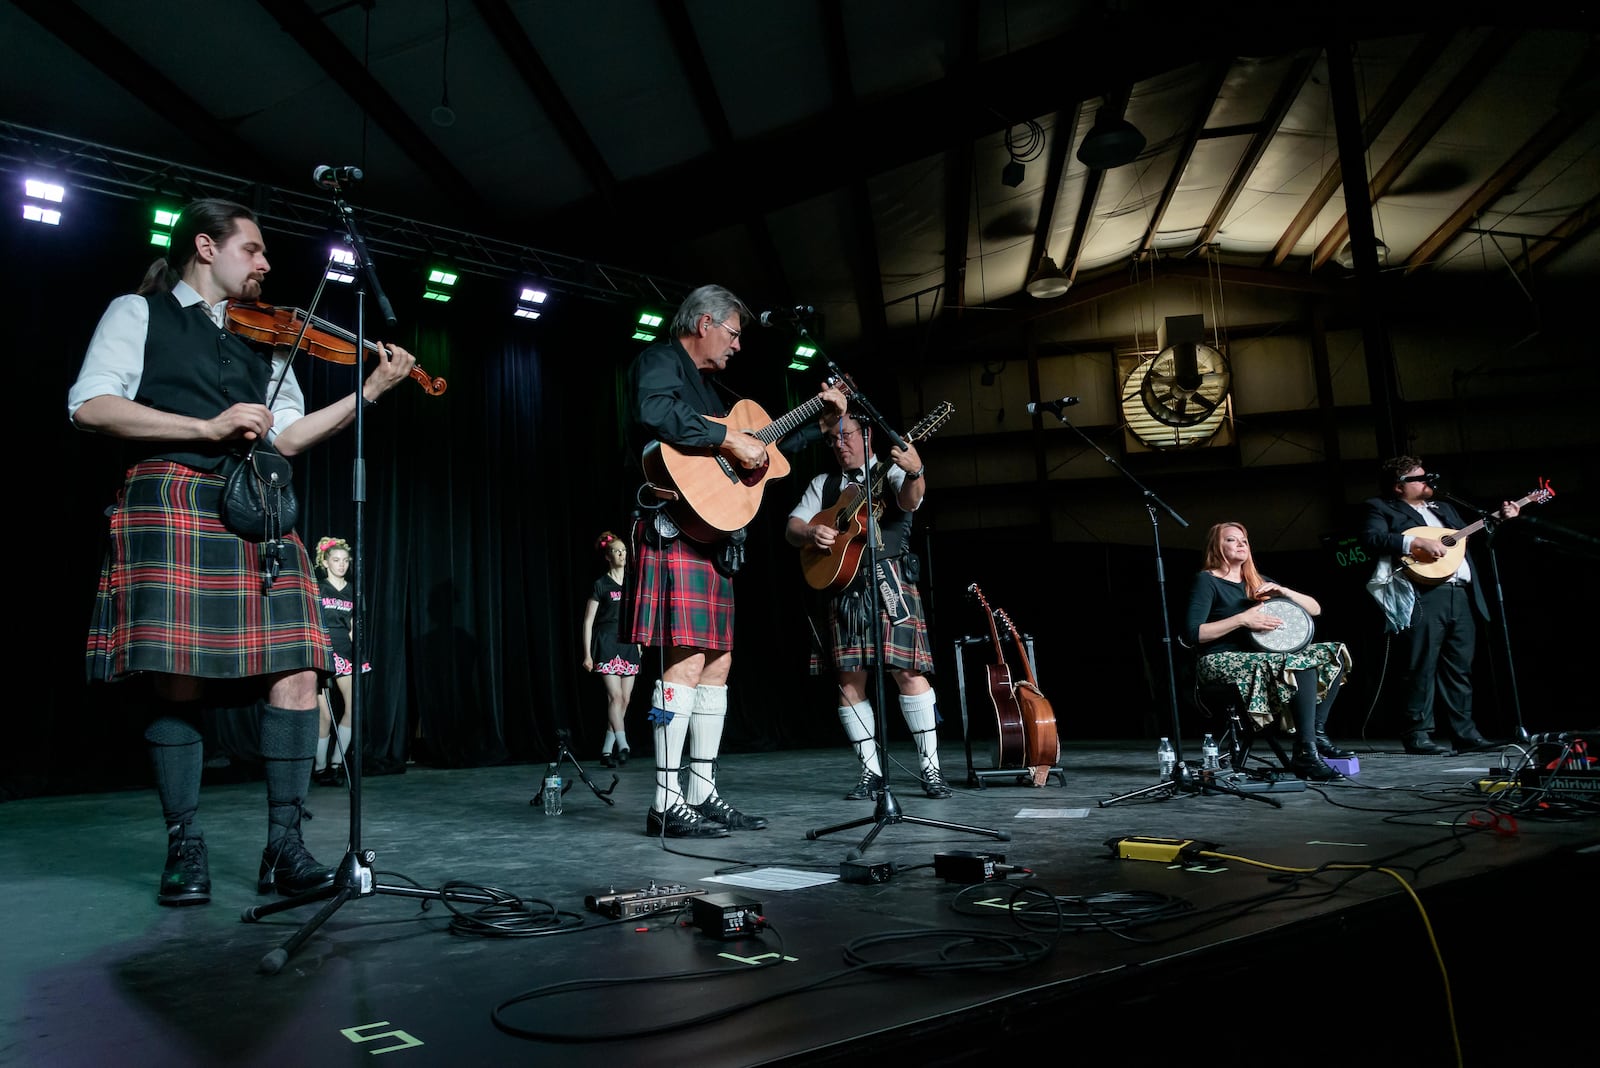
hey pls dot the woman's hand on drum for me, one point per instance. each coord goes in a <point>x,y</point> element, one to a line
<point>1256,619</point>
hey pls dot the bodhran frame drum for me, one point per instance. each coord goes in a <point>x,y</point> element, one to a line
<point>1295,634</point>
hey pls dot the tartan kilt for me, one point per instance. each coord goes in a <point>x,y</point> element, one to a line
<point>677,580</point>
<point>905,646</point>
<point>181,594</point>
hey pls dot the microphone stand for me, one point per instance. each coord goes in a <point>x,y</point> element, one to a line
<point>354,877</point>
<point>1184,780</point>
<point>1491,521</point>
<point>887,810</point>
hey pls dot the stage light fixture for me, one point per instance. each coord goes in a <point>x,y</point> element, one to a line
<point>41,193</point>
<point>802,358</point>
<point>440,281</point>
<point>341,265</point>
<point>533,296</point>
<point>648,327</point>
<point>162,220</point>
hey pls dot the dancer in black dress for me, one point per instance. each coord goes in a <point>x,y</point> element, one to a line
<point>605,653</point>
<point>335,596</point>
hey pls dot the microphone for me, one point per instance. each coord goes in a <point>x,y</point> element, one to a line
<point>772,318</point>
<point>330,177</point>
<point>1052,405</point>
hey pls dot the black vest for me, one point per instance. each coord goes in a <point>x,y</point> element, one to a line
<point>896,521</point>
<point>194,367</point>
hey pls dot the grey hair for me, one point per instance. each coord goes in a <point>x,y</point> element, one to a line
<point>714,301</point>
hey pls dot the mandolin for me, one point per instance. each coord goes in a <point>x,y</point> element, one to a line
<point>1008,717</point>
<point>1433,572</point>
<point>835,567</point>
<point>1043,747</point>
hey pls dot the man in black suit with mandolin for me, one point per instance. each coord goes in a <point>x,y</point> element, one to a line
<point>906,652</point>
<point>1436,649</point>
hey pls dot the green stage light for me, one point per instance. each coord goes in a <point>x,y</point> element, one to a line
<point>439,276</point>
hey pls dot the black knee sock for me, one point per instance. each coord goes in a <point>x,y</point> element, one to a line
<point>1305,706</point>
<point>1325,705</point>
<point>288,745</point>
<point>177,755</point>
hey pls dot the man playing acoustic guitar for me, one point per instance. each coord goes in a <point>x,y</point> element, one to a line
<point>904,634</point>
<point>680,593</point>
<point>1436,649</point>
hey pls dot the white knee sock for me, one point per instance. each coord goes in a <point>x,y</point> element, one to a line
<point>859,727</point>
<point>610,740</point>
<point>705,739</point>
<point>918,710</point>
<point>673,703</point>
<point>343,734</point>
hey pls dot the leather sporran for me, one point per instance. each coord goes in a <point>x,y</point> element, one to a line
<point>258,501</point>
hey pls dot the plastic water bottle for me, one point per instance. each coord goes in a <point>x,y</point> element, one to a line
<point>1210,757</point>
<point>552,791</point>
<point>1166,757</point>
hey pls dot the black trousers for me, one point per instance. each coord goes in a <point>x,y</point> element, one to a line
<point>1436,651</point>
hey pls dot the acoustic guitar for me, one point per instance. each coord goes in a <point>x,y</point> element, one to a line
<point>835,567</point>
<point>1433,572</point>
<point>710,495</point>
<point>1042,745</point>
<point>1012,752</point>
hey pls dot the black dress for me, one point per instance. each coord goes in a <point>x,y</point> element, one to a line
<point>612,655</point>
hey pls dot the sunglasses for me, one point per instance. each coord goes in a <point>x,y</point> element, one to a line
<point>1430,479</point>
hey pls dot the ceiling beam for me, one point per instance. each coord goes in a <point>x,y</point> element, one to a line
<point>1512,171</point>
<point>1066,126</point>
<point>1563,235</point>
<point>307,29</point>
<point>894,129</point>
<point>1204,102</point>
<point>110,55</point>
<point>961,47</point>
<point>513,40</point>
<point>696,69</point>
<point>1406,80</point>
<point>862,248</point>
<point>1471,75</point>
<point>1282,100</point>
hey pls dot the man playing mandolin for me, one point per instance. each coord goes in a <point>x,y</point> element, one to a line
<point>899,487</point>
<point>1436,649</point>
<point>680,593</point>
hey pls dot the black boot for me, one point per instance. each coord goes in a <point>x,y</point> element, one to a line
<point>1309,765</point>
<point>186,880</point>
<point>1329,751</point>
<point>288,740</point>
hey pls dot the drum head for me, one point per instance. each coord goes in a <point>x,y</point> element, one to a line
<point>1296,632</point>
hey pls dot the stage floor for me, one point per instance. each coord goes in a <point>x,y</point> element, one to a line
<point>1089,956</point>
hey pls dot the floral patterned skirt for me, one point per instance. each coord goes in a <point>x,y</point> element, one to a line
<point>1266,681</point>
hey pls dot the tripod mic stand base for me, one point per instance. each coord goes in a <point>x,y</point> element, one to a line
<point>887,812</point>
<point>1188,783</point>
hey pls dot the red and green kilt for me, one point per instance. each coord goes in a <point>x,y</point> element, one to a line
<point>905,646</point>
<point>678,581</point>
<point>180,594</point>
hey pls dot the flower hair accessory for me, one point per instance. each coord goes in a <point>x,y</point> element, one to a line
<point>326,546</point>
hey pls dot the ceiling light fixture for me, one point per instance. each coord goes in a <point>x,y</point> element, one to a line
<point>1346,256</point>
<point>1047,280</point>
<point>1112,142</point>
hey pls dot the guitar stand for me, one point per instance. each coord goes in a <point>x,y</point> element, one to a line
<point>564,755</point>
<point>977,776</point>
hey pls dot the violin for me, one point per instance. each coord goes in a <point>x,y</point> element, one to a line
<point>318,337</point>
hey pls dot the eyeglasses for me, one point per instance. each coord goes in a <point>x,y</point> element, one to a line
<point>730,330</point>
<point>1428,478</point>
<point>843,435</point>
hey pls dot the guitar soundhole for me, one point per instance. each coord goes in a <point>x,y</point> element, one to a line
<point>751,475</point>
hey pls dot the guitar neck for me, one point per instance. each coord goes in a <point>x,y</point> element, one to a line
<point>783,426</point>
